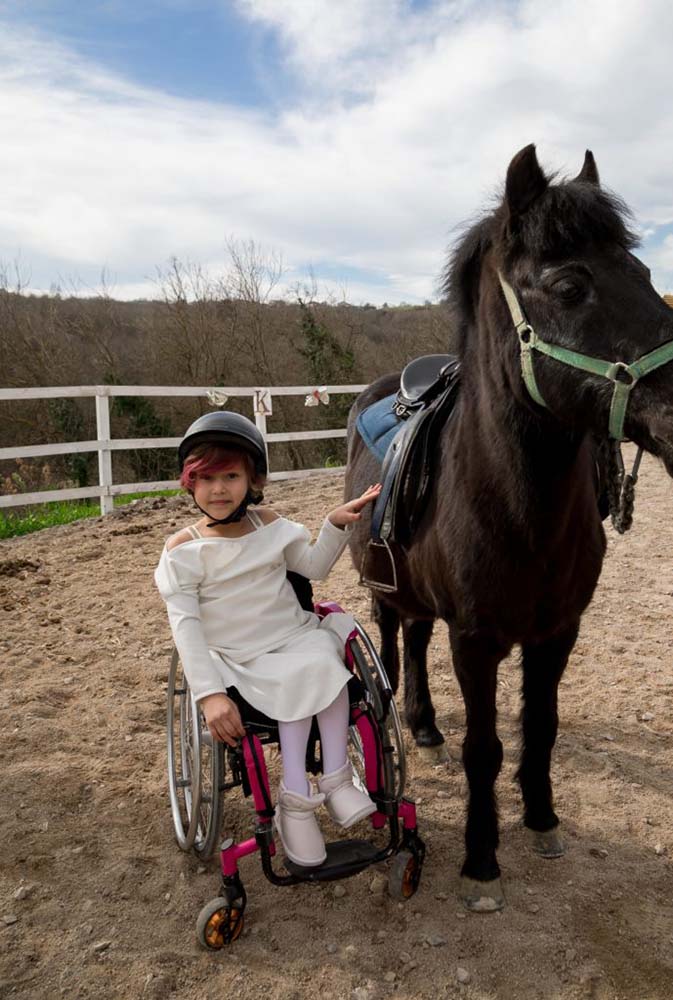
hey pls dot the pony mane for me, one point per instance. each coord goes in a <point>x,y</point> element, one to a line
<point>567,218</point>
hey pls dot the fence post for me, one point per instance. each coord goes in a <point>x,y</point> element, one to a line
<point>261,403</point>
<point>104,454</point>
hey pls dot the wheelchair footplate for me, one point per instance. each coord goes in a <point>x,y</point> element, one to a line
<point>344,857</point>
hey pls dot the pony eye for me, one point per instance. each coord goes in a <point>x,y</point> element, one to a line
<point>568,289</point>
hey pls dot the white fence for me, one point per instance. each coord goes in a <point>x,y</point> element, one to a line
<point>104,445</point>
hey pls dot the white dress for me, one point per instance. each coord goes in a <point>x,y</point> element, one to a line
<point>236,620</point>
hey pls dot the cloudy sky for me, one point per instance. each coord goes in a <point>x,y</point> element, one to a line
<point>350,136</point>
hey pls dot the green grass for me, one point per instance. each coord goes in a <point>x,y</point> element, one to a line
<point>46,515</point>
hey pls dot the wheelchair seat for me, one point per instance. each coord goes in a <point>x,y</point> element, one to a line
<point>267,729</point>
<point>256,720</point>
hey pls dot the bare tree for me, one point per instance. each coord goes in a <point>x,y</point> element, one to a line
<point>198,324</point>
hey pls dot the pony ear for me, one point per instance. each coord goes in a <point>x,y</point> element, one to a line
<point>589,172</point>
<point>524,185</point>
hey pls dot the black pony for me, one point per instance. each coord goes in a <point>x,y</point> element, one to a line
<point>510,547</point>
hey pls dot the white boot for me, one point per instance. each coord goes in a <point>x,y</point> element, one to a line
<point>298,828</point>
<point>346,804</point>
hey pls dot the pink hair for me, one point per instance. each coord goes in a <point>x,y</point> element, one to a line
<point>208,459</point>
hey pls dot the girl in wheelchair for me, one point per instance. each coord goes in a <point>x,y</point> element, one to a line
<point>237,623</point>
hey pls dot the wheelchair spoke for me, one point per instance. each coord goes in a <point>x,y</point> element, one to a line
<point>382,705</point>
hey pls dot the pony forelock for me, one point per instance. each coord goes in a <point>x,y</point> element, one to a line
<point>568,217</point>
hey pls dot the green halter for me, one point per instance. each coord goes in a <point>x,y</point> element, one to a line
<point>623,375</point>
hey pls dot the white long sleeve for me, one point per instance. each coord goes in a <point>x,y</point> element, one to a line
<point>177,579</point>
<point>185,621</point>
<point>315,560</point>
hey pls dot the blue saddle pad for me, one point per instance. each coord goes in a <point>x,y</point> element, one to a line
<point>378,425</point>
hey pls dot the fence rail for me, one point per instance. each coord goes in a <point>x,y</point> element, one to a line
<point>106,490</point>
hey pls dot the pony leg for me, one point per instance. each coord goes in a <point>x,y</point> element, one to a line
<point>475,660</point>
<point>388,621</point>
<point>418,707</point>
<point>543,665</point>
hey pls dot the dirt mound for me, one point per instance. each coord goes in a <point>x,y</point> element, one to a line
<point>12,567</point>
<point>97,900</point>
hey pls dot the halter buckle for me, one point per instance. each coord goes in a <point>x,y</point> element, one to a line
<point>526,333</point>
<point>621,372</point>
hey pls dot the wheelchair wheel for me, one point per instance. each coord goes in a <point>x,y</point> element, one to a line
<point>404,876</point>
<point>379,696</point>
<point>195,769</point>
<point>219,923</point>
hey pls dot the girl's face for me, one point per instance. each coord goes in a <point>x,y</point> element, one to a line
<point>221,493</point>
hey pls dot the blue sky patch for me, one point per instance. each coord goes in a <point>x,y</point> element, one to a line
<point>196,50</point>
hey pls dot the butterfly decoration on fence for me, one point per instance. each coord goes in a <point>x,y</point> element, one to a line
<point>319,395</point>
<point>216,398</point>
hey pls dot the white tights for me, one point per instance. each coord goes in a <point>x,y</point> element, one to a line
<point>333,726</point>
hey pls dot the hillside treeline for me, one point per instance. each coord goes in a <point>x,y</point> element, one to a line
<point>201,332</point>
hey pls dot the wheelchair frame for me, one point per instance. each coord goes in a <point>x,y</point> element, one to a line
<point>197,772</point>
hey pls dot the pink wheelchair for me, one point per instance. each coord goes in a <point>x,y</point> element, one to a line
<point>201,772</point>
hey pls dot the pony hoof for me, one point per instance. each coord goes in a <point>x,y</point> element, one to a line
<point>482,897</point>
<point>434,755</point>
<point>547,843</point>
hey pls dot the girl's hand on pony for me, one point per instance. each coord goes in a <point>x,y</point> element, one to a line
<point>222,718</point>
<point>349,512</point>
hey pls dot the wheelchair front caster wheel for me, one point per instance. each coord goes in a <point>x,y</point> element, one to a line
<point>404,875</point>
<point>220,923</point>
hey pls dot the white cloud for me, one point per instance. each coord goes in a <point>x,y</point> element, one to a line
<point>336,46</point>
<point>403,128</point>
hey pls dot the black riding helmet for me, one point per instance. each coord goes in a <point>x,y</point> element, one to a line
<point>223,428</point>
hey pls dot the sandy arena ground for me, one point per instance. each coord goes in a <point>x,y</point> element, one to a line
<point>98,902</point>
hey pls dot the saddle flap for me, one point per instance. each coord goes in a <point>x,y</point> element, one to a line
<point>407,449</point>
<point>409,466</point>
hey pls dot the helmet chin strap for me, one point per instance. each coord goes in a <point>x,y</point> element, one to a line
<point>249,499</point>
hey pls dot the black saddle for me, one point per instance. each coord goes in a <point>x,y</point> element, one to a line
<point>428,392</point>
<point>419,379</point>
